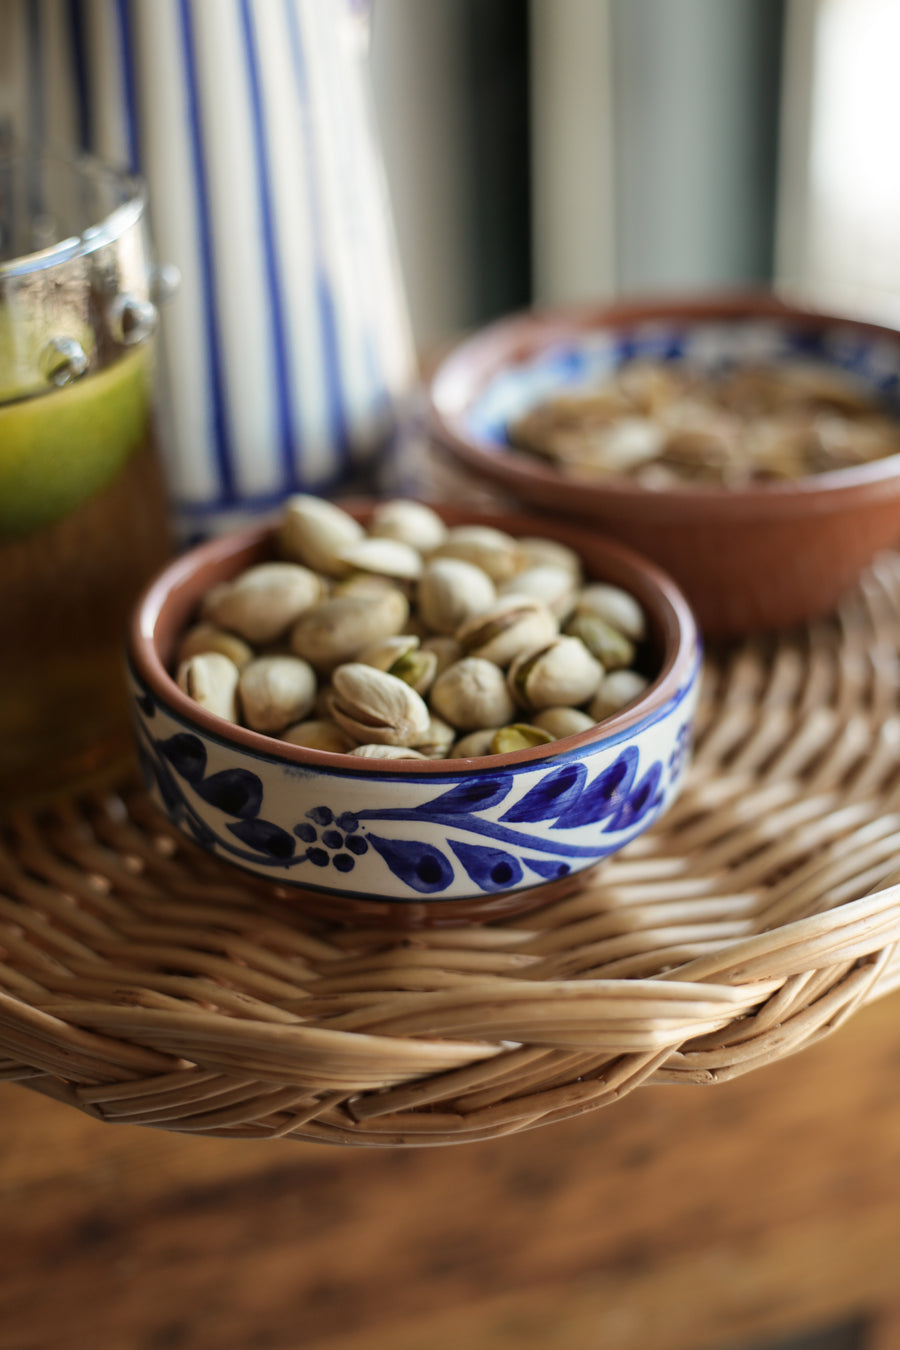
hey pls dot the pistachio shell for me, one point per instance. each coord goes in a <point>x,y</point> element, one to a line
<point>337,629</point>
<point>562,722</point>
<point>211,680</point>
<point>276,691</point>
<point>550,553</point>
<point>555,587</point>
<point>476,744</point>
<point>206,637</point>
<point>372,706</point>
<point>372,751</point>
<point>319,734</point>
<point>446,649</point>
<point>611,647</point>
<point>512,624</point>
<point>472,694</point>
<point>438,739</point>
<point>383,557</point>
<point>518,736</point>
<point>616,691</point>
<point>383,652</point>
<point>411,522</point>
<point>451,591</point>
<point>314,531</point>
<point>562,672</point>
<point>265,600</point>
<point>494,551</point>
<point>619,609</point>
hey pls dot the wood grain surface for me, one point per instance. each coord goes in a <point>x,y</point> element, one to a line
<point>677,1219</point>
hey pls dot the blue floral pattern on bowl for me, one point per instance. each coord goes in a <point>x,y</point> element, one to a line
<point>452,834</point>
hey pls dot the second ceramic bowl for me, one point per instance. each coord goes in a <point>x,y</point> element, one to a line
<point>760,557</point>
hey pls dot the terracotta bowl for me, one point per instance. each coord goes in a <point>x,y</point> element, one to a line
<point>413,841</point>
<point>749,559</point>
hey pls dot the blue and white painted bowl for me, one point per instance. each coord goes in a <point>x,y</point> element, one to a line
<point>440,839</point>
<point>749,559</point>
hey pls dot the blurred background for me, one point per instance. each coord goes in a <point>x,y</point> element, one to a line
<point>541,151</point>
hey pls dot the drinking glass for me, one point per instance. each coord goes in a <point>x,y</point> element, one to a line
<point>83,507</point>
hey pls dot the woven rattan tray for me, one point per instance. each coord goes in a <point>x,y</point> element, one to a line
<point>144,983</point>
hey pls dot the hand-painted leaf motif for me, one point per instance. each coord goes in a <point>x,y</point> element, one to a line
<point>158,771</point>
<point>605,796</point>
<point>186,754</point>
<point>475,794</point>
<point>551,868</point>
<point>421,866</point>
<point>264,837</point>
<point>200,830</point>
<point>489,868</point>
<point>551,796</point>
<point>639,801</point>
<point>237,792</point>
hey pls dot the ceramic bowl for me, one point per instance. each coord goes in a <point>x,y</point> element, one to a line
<point>438,839</point>
<point>750,559</point>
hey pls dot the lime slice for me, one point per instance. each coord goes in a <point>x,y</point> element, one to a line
<point>59,448</point>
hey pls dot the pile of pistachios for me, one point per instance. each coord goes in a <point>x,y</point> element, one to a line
<point>407,639</point>
<point>667,425</point>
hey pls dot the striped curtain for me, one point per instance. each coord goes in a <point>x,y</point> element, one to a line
<point>287,359</point>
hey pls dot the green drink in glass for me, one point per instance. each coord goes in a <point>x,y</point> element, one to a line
<point>83,512</point>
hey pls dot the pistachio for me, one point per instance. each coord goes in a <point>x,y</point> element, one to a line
<point>550,553</point>
<point>451,591</point>
<point>518,736</point>
<point>335,630</point>
<point>315,531</point>
<point>554,586</point>
<point>265,600</point>
<point>561,672</point>
<point>276,691</point>
<point>383,557</point>
<point>401,656</point>
<point>319,734</point>
<point>206,637</point>
<point>617,607</point>
<point>610,646</point>
<point>446,649</point>
<point>211,680</point>
<point>562,722</point>
<point>372,706</point>
<point>385,752</point>
<point>495,552</point>
<point>615,692</point>
<point>438,739</point>
<point>472,694</point>
<point>383,652</point>
<point>411,522</point>
<point>476,744</point>
<point>512,624</point>
<point>417,669</point>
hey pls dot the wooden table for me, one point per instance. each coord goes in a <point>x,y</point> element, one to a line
<point>677,1218</point>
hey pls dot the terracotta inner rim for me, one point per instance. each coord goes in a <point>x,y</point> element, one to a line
<point>169,603</point>
<point>470,367</point>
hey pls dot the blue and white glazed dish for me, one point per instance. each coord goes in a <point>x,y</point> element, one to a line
<point>759,556</point>
<point>449,837</point>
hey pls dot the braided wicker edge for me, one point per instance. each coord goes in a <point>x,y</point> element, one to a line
<point>143,983</point>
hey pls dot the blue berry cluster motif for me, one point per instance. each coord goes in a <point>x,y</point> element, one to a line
<point>337,842</point>
<point>480,820</point>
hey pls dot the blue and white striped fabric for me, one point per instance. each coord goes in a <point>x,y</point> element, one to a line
<point>287,353</point>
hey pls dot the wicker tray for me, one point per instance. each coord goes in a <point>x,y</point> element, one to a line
<point>143,982</point>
